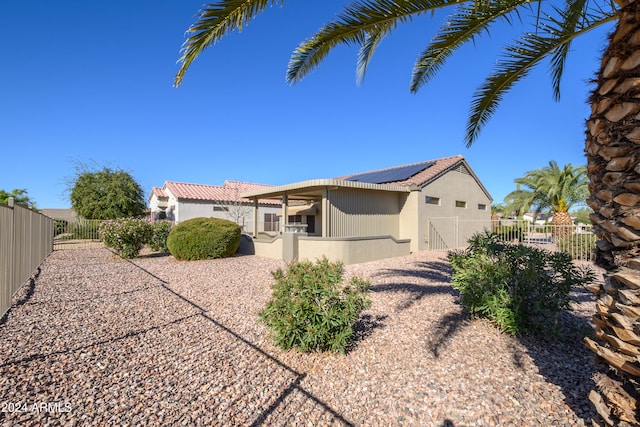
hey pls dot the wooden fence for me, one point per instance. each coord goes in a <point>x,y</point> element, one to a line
<point>26,239</point>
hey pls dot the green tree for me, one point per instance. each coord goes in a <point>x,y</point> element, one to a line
<point>552,189</point>
<point>498,211</point>
<point>612,139</point>
<point>583,215</point>
<point>520,201</point>
<point>106,194</point>
<point>20,197</point>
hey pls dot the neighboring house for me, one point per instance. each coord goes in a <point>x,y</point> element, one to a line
<point>68,215</point>
<point>540,219</point>
<point>179,201</point>
<point>378,214</point>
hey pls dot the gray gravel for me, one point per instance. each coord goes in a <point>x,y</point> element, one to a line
<point>97,340</point>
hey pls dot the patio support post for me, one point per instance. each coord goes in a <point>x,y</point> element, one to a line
<point>255,218</point>
<point>325,212</point>
<point>285,209</point>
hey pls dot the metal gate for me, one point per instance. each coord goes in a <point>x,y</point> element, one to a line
<point>447,233</point>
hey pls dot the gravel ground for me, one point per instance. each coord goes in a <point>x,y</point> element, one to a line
<point>97,340</point>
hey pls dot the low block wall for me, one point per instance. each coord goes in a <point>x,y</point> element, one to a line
<point>349,250</point>
<point>268,248</point>
<point>352,250</point>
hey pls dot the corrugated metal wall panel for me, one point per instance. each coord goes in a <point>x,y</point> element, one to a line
<point>26,239</point>
<point>6,258</point>
<point>357,214</point>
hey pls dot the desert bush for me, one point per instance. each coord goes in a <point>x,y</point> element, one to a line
<point>159,234</point>
<point>204,238</point>
<point>311,309</point>
<point>517,287</point>
<point>126,236</point>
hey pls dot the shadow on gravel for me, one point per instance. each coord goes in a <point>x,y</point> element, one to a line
<point>565,361</point>
<point>438,276</point>
<point>414,292</point>
<point>363,328</point>
<point>447,327</point>
<point>155,255</point>
<point>103,295</point>
<point>28,293</point>
<point>37,356</point>
<point>31,288</point>
<point>438,272</point>
<point>294,386</point>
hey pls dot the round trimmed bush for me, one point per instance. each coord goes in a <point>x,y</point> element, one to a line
<point>204,238</point>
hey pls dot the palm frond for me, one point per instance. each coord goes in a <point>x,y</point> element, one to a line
<point>552,187</point>
<point>462,26</point>
<point>568,21</point>
<point>353,26</point>
<point>372,39</point>
<point>216,20</point>
<point>522,56</point>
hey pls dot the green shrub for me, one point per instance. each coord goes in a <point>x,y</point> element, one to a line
<point>204,238</point>
<point>578,245</point>
<point>310,308</point>
<point>160,233</point>
<point>519,288</point>
<point>126,236</point>
<point>60,226</point>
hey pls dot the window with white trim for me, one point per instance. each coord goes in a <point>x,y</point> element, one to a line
<point>430,200</point>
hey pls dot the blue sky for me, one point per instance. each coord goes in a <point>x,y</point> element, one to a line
<point>91,83</point>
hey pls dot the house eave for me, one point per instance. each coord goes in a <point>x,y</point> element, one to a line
<point>316,186</point>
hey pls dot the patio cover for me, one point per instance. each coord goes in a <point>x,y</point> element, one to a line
<point>315,188</point>
<point>306,209</point>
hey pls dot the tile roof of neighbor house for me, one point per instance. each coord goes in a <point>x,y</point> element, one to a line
<point>159,193</point>
<point>228,192</point>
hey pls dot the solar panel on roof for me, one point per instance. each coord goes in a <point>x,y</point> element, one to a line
<point>390,175</point>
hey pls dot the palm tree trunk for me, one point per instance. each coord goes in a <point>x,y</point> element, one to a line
<point>562,225</point>
<point>613,163</point>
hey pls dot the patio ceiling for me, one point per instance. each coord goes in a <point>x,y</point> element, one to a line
<point>313,189</point>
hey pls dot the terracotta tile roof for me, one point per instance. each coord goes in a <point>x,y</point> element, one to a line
<point>159,193</point>
<point>228,192</point>
<point>423,177</point>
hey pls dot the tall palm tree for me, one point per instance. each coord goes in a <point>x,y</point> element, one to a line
<point>563,189</point>
<point>552,189</point>
<point>612,138</point>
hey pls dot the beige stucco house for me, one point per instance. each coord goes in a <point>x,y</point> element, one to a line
<point>378,214</point>
<point>180,201</point>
